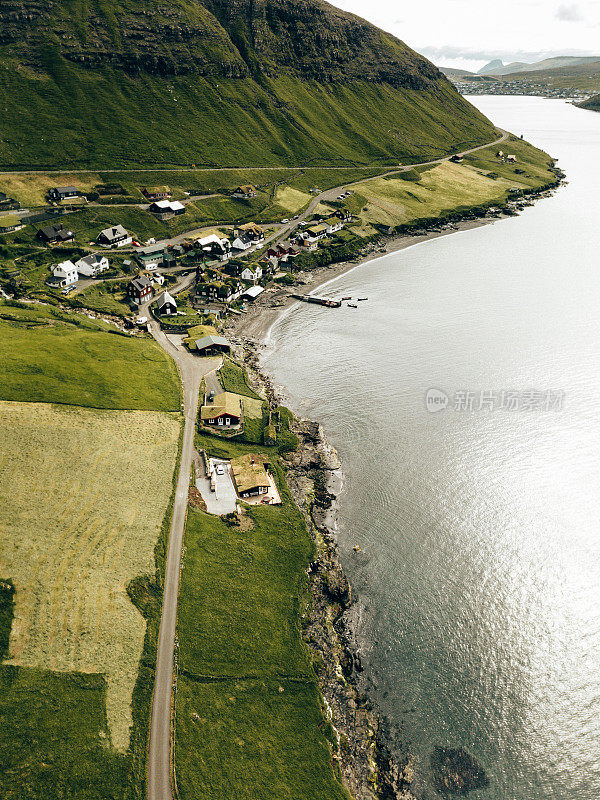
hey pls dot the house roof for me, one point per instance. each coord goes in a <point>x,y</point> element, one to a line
<point>156,189</point>
<point>63,189</point>
<point>162,204</point>
<point>206,240</point>
<point>322,228</point>
<point>249,472</point>
<point>114,232</point>
<point>210,340</point>
<point>152,250</point>
<point>245,239</point>
<point>224,403</point>
<point>176,205</point>
<point>140,283</point>
<point>246,189</point>
<point>166,299</point>
<point>253,292</point>
<point>64,267</point>
<point>92,259</point>
<point>50,230</point>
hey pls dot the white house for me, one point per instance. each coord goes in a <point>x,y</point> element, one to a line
<point>334,225</point>
<point>116,236</point>
<point>65,273</point>
<point>243,242</point>
<point>92,265</point>
<point>166,304</point>
<point>251,273</point>
<point>215,246</point>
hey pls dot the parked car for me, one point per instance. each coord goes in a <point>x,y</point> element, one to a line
<point>220,469</point>
<point>284,221</point>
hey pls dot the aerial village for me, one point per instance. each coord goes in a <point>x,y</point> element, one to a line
<point>189,285</point>
<point>144,259</point>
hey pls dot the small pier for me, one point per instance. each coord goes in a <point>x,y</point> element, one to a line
<point>319,301</point>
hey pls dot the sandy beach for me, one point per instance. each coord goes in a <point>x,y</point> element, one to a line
<point>255,324</point>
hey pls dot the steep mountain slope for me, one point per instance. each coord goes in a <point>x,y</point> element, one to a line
<point>219,82</point>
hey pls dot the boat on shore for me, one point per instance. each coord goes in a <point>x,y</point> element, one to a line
<point>352,305</point>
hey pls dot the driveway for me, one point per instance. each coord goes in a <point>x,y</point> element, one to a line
<point>212,383</point>
<point>224,499</point>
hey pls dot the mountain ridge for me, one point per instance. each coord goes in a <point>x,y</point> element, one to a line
<point>217,83</point>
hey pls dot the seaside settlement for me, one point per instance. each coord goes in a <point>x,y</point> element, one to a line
<point>245,558</point>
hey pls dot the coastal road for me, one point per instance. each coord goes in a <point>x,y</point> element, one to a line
<point>332,194</point>
<point>191,369</point>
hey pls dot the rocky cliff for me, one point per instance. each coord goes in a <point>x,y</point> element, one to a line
<point>306,81</point>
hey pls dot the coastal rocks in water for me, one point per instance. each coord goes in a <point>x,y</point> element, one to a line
<point>337,585</point>
<point>456,772</point>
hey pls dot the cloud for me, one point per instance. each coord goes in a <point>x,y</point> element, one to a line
<point>569,13</point>
<point>476,54</point>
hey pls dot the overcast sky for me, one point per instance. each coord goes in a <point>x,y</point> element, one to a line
<point>468,33</point>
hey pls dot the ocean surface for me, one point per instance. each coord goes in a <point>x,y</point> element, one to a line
<point>478,580</point>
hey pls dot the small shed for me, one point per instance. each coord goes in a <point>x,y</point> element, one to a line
<point>253,292</point>
<point>212,345</point>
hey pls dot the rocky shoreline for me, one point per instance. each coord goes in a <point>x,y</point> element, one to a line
<point>371,766</point>
<point>364,753</point>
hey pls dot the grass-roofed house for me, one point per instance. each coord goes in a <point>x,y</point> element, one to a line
<point>250,475</point>
<point>225,411</point>
<point>212,345</point>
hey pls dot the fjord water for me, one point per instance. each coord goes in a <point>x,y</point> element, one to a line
<point>478,580</point>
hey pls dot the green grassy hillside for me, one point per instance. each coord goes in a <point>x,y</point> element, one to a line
<point>117,83</point>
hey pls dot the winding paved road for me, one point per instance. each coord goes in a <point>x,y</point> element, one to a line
<point>192,369</point>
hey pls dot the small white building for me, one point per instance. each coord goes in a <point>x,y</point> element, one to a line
<point>92,265</point>
<point>65,273</point>
<point>252,272</point>
<point>243,242</point>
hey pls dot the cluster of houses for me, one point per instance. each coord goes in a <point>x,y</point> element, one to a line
<point>66,274</point>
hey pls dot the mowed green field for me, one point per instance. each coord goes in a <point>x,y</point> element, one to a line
<point>250,722</point>
<point>68,364</point>
<point>431,191</point>
<point>85,494</point>
<point>77,527</point>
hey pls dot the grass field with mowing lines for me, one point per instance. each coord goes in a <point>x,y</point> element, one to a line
<point>84,496</point>
<point>63,363</point>
<point>481,178</point>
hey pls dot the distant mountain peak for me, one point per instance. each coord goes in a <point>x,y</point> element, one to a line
<point>496,63</point>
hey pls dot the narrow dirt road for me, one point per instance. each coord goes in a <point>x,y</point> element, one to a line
<point>191,369</point>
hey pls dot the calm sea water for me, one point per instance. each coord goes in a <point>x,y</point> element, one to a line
<point>479,577</point>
